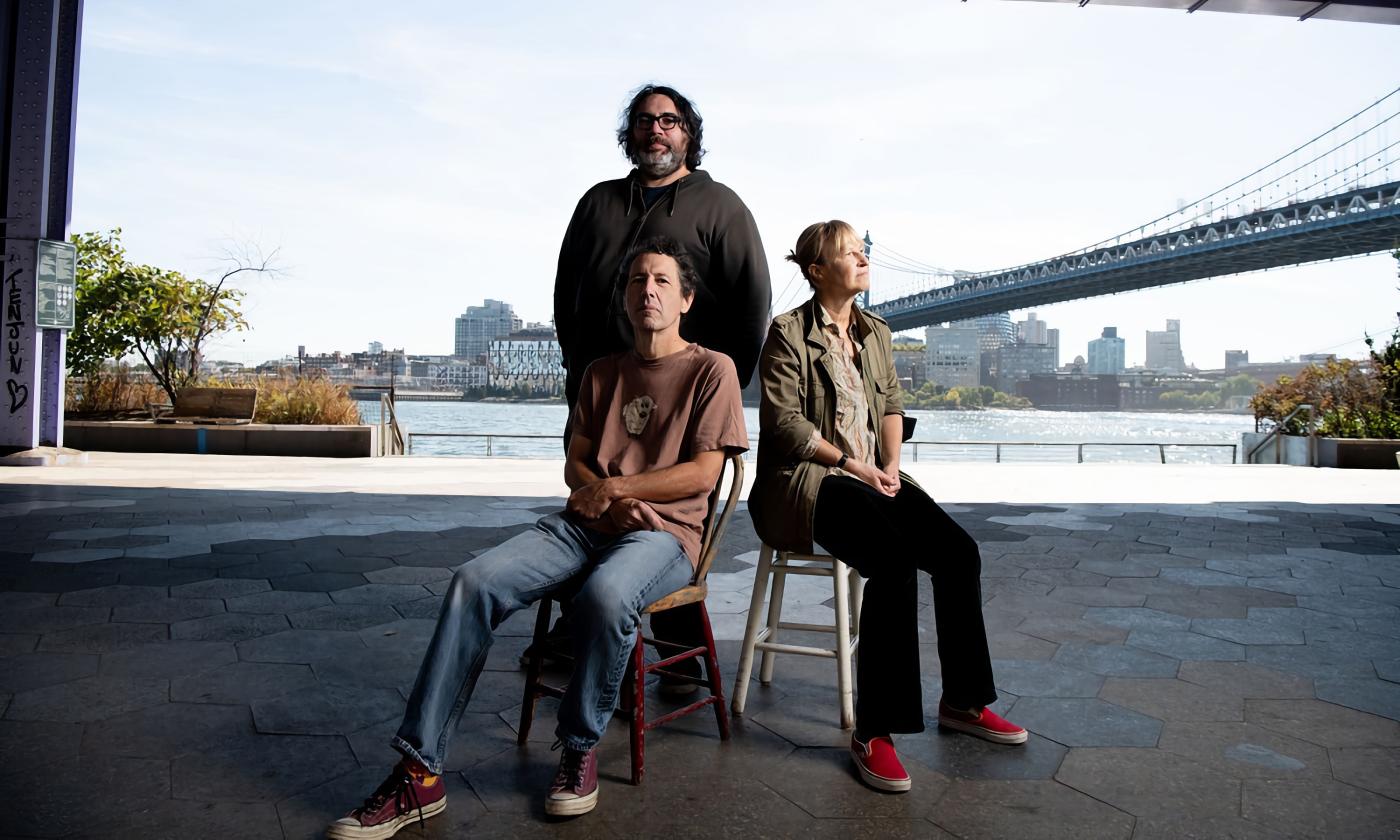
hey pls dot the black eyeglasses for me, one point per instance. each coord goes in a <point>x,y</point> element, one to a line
<point>667,121</point>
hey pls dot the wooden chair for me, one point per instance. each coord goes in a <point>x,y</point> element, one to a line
<point>848,589</point>
<point>633,690</point>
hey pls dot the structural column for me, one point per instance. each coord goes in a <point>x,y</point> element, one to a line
<point>38,74</point>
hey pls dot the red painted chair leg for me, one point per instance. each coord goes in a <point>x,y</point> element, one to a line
<point>533,671</point>
<point>712,668</point>
<point>639,709</point>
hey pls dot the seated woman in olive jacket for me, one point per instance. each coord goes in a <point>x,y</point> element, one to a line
<point>831,424</point>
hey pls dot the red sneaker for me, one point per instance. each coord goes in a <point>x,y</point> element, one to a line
<point>984,723</point>
<point>879,765</point>
<point>403,799</point>
<point>575,788</point>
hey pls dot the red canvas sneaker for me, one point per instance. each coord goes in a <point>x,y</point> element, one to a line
<point>403,799</point>
<point>878,764</point>
<point>984,723</point>
<point>575,788</point>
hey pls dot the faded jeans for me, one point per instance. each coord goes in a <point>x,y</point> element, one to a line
<point>615,578</point>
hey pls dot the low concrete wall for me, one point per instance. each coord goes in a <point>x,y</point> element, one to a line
<point>252,439</point>
<point>1294,449</point>
<point>1359,453</point>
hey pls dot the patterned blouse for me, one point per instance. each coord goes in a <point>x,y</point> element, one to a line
<point>854,435</point>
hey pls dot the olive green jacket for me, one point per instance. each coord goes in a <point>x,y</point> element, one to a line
<point>798,389</point>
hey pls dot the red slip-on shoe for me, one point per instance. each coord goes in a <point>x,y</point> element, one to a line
<point>984,723</point>
<point>403,799</point>
<point>879,766</point>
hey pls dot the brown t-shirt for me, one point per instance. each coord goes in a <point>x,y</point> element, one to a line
<point>642,415</point>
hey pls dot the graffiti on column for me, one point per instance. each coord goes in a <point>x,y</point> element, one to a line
<point>17,392</point>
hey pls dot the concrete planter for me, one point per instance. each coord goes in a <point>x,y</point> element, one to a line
<point>1345,453</point>
<point>1285,449</point>
<point>251,439</point>
<point>1358,453</point>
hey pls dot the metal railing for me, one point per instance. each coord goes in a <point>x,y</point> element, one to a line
<point>997,447</point>
<point>391,437</point>
<point>1275,433</point>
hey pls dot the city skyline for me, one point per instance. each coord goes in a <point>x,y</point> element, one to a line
<point>399,178</point>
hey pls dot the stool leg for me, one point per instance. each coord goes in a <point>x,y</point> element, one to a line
<point>843,643</point>
<point>775,615</point>
<point>639,710</point>
<point>760,588</point>
<point>532,673</point>
<point>712,670</point>
<point>857,599</point>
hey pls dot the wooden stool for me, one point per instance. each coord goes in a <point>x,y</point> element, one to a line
<point>633,690</point>
<point>849,588</point>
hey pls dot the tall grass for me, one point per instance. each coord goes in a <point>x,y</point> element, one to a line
<point>114,394</point>
<point>306,400</point>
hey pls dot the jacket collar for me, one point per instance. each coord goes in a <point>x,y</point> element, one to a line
<point>812,317</point>
<point>634,189</point>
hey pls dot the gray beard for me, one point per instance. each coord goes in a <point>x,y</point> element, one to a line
<point>659,164</point>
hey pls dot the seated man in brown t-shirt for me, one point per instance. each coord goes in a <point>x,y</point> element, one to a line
<point>651,431</point>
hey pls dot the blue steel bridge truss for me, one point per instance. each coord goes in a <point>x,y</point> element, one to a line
<point>1360,221</point>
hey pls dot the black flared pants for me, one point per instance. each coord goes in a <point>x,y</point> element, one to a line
<point>888,540</point>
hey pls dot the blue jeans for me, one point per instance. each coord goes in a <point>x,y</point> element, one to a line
<point>616,577</point>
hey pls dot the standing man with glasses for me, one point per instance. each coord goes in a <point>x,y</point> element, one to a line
<point>665,194</point>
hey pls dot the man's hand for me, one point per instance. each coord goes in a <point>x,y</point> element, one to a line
<point>592,500</point>
<point>874,477</point>
<point>634,515</point>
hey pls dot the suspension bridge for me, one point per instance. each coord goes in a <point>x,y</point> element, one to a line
<point>1337,195</point>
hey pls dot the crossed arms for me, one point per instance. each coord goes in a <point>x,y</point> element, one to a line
<point>624,498</point>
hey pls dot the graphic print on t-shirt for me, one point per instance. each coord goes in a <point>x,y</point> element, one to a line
<point>636,414</point>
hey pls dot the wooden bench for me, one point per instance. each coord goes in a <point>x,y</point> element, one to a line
<point>213,406</point>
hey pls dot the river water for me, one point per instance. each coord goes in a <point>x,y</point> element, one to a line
<point>955,433</point>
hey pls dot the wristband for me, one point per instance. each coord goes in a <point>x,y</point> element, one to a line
<point>841,462</point>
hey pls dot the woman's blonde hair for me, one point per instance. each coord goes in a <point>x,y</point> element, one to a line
<point>816,244</point>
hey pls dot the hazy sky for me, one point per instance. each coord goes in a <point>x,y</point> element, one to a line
<point>412,159</point>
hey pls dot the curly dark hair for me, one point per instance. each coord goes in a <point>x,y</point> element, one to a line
<point>690,117</point>
<point>666,246</point>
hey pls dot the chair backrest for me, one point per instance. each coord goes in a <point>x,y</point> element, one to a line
<point>719,513</point>
<point>233,403</point>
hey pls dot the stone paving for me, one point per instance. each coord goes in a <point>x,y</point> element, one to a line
<point>216,663</point>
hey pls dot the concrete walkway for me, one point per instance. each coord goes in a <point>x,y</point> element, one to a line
<point>219,647</point>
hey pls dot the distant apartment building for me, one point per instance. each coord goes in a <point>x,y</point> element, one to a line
<point>1164,348</point>
<point>952,356</point>
<point>910,367</point>
<point>1235,359</point>
<point>1071,391</point>
<point>1107,353</point>
<point>993,331</point>
<point>480,325</point>
<point>1018,362</point>
<point>1052,339</point>
<point>1032,330</point>
<point>376,347</point>
<point>529,361</point>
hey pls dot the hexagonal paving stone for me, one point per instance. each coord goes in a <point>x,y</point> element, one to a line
<point>820,781</point>
<point>993,810</point>
<point>51,800</point>
<point>264,569</point>
<point>409,574</point>
<point>1133,618</point>
<point>103,638</point>
<point>343,617</point>
<point>1030,678</point>
<point>46,619</point>
<point>1316,661</point>
<point>326,710</point>
<point>167,659</point>
<point>231,627</point>
<point>1376,696</point>
<point>1248,631</point>
<point>1326,724</point>
<point>1349,607</point>
<point>1116,661</point>
<point>1150,783</point>
<point>242,682</point>
<point>1245,750</point>
<point>304,646</point>
<point>1388,669</point>
<point>1172,700</point>
<point>88,699</point>
<point>168,610</point>
<point>169,731</point>
<point>380,593</point>
<point>1376,769</point>
<point>1068,630</point>
<point>960,756</point>
<point>1182,644</point>
<point>27,671</point>
<point>1185,827</point>
<point>1246,679</point>
<point>318,581</point>
<point>111,596</point>
<point>1319,808</point>
<point>277,602</point>
<point>219,588</point>
<point>1086,722</point>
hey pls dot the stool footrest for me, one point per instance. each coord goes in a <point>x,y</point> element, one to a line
<point>778,647</point>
